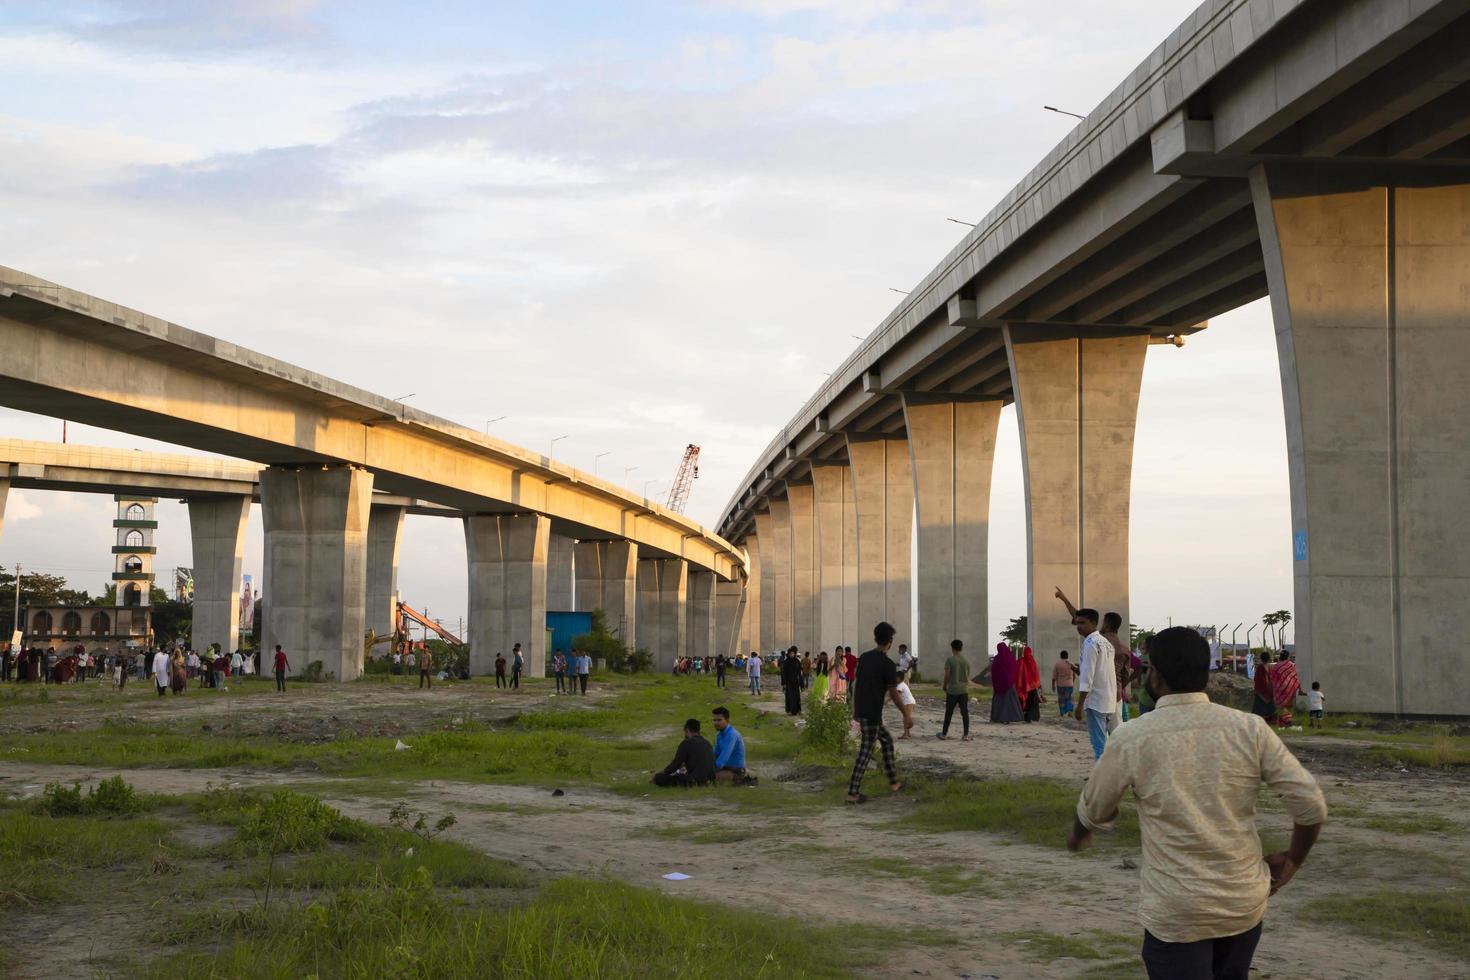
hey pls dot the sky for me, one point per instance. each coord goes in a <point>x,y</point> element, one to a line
<point>639,225</point>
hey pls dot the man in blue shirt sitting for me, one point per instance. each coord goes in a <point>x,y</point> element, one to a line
<point>729,750</point>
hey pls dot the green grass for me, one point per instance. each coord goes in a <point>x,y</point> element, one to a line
<point>48,859</point>
<point>1092,944</point>
<point>573,928</point>
<point>1413,823</point>
<point>1439,919</point>
<point>1034,811</point>
<point>1443,752</point>
<point>397,857</point>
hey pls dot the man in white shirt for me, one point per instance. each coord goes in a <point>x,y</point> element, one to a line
<point>1196,770</point>
<point>1097,684</point>
<point>753,669</point>
<point>160,672</point>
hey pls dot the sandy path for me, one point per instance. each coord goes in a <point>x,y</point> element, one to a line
<point>813,867</point>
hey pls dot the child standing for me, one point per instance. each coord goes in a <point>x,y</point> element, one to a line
<point>906,702</point>
<point>1315,698</point>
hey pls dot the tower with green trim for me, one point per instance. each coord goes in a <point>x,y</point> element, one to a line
<point>134,550</point>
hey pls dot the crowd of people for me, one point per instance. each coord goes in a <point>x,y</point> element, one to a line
<point>208,667</point>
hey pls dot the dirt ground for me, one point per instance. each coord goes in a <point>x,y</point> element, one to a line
<point>845,864</point>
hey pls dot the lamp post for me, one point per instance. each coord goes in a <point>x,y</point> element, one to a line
<point>490,422</point>
<point>551,454</point>
<point>626,471</point>
<point>646,484</point>
<point>598,457</point>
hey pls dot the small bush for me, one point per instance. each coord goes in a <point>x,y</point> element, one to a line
<point>111,797</point>
<point>828,727</point>
<point>313,672</point>
<point>289,822</point>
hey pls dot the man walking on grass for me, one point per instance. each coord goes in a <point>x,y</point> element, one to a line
<point>281,666</point>
<point>584,668</point>
<point>1097,685</point>
<point>876,681</point>
<point>753,668</point>
<point>518,664</point>
<point>426,668</point>
<point>956,683</point>
<point>1195,769</point>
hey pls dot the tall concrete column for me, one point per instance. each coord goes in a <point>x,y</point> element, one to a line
<point>765,528</point>
<point>607,580</point>
<point>1076,404</point>
<point>952,449</point>
<point>750,620</point>
<point>4,492</point>
<point>559,573</point>
<point>730,605</point>
<point>699,631</point>
<point>782,579</point>
<point>1370,292</point>
<point>662,589</point>
<point>836,556</point>
<point>385,534</point>
<point>316,530</point>
<point>805,594</point>
<point>883,493</point>
<point>507,595</point>
<point>217,533</point>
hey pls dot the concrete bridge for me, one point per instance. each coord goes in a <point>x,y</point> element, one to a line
<point>1313,151</point>
<point>669,584</point>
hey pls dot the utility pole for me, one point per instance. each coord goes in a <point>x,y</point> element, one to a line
<point>16,625</point>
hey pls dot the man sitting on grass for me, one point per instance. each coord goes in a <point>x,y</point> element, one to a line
<point>729,750</point>
<point>694,762</point>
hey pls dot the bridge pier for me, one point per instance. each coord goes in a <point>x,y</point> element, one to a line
<point>316,524</point>
<point>883,495</point>
<point>1077,404</point>
<point>765,530</point>
<point>783,580</point>
<point>699,619</point>
<point>662,589</point>
<point>1370,292</point>
<point>507,595</point>
<point>217,535</point>
<point>750,619</point>
<point>730,604</point>
<point>805,591</point>
<point>385,534</point>
<point>952,448</point>
<point>559,562</point>
<point>4,492</point>
<point>836,514</point>
<point>607,579</point>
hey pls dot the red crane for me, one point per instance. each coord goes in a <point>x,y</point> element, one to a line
<point>687,473</point>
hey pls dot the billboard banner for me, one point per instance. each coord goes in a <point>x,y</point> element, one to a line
<point>184,584</point>
<point>247,604</point>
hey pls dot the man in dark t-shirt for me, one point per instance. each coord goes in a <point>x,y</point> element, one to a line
<point>875,680</point>
<point>694,762</point>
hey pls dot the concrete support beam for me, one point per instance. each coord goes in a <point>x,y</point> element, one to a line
<point>217,534</point>
<point>883,493</point>
<point>765,529</point>
<point>952,449</point>
<point>607,579</point>
<point>1076,405</point>
<point>700,613</point>
<point>4,492</point>
<point>559,573</point>
<point>316,529</point>
<point>782,578</point>
<point>750,620</point>
<point>1370,292</point>
<point>730,605</point>
<point>662,589</point>
<point>507,597</point>
<point>836,556</point>
<point>385,534</point>
<point>805,591</point>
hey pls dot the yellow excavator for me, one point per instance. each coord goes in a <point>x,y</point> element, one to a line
<point>403,615</point>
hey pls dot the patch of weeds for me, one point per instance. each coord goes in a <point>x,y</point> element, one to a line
<point>1092,944</point>
<point>1035,811</point>
<point>1438,919</point>
<point>286,822</point>
<point>1413,823</point>
<point>1444,752</point>
<point>396,857</point>
<point>110,797</point>
<point>41,857</point>
<point>406,821</point>
<point>572,928</point>
<point>828,727</point>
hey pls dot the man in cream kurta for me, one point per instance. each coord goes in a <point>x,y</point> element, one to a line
<point>1196,769</point>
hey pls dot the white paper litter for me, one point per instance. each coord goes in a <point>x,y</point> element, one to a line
<point>676,876</point>
<point>401,746</point>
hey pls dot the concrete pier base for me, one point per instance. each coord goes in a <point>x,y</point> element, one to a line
<point>883,491</point>
<point>952,449</point>
<point>730,600</point>
<point>782,577</point>
<point>385,534</point>
<point>316,524</point>
<point>217,533</point>
<point>836,556</point>
<point>1076,405</point>
<point>765,529</point>
<point>750,619</point>
<point>607,579</point>
<point>507,596</point>
<point>1370,293</point>
<point>662,588</point>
